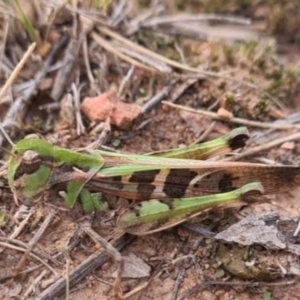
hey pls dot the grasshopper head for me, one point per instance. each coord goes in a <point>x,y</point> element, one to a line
<point>28,175</point>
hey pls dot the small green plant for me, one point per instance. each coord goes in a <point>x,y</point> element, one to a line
<point>25,21</point>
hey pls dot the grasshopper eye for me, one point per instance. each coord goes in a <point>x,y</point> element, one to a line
<point>30,163</point>
<point>31,160</point>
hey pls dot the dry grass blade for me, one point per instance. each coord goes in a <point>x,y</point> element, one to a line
<point>201,73</point>
<point>4,40</point>
<point>115,254</point>
<point>107,46</point>
<point>234,120</point>
<point>20,228</point>
<point>17,70</point>
<point>148,52</point>
<point>17,109</point>
<point>65,71</point>
<point>34,240</point>
<point>42,261</point>
<point>155,21</point>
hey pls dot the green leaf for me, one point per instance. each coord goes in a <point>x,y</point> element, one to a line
<point>3,218</point>
<point>267,295</point>
<point>74,188</point>
<point>91,202</point>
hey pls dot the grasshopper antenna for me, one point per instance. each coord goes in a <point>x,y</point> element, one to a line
<point>6,136</point>
<point>4,166</point>
<point>4,149</point>
<point>7,151</point>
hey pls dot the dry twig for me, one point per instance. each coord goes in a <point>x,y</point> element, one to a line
<point>17,70</point>
<point>239,121</point>
<point>34,240</point>
<point>93,262</point>
<point>18,108</point>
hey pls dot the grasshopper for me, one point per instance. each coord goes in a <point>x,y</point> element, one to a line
<point>166,188</point>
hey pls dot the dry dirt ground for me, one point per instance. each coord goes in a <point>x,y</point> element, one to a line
<point>179,263</point>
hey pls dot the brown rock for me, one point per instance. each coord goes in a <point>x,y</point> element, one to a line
<point>288,146</point>
<point>108,105</point>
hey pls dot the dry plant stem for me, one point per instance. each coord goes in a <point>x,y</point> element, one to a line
<point>32,287</point>
<point>267,146</point>
<point>203,74</point>
<point>22,224</point>
<point>34,240</point>
<point>69,60</point>
<point>205,133</point>
<point>195,262</point>
<point>18,108</point>
<point>178,91</point>
<point>67,276</point>
<point>89,72</point>
<point>96,260</point>
<point>80,129</point>
<point>105,132</point>
<point>65,71</point>
<point>196,18</point>
<point>19,228</point>
<point>150,89</point>
<point>30,254</point>
<point>120,12</point>
<point>151,279</point>
<point>214,105</point>
<point>181,53</point>
<point>137,21</point>
<point>297,230</point>
<point>240,121</point>
<point>4,39</point>
<point>157,65</point>
<point>4,133</point>
<point>141,287</point>
<point>125,81</point>
<point>108,47</point>
<point>53,17</point>
<point>146,284</point>
<point>118,293</point>
<point>17,70</point>
<point>199,230</point>
<point>178,282</point>
<point>39,253</point>
<point>146,51</point>
<point>156,100</point>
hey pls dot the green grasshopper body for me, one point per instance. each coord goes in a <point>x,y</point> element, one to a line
<point>179,185</point>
